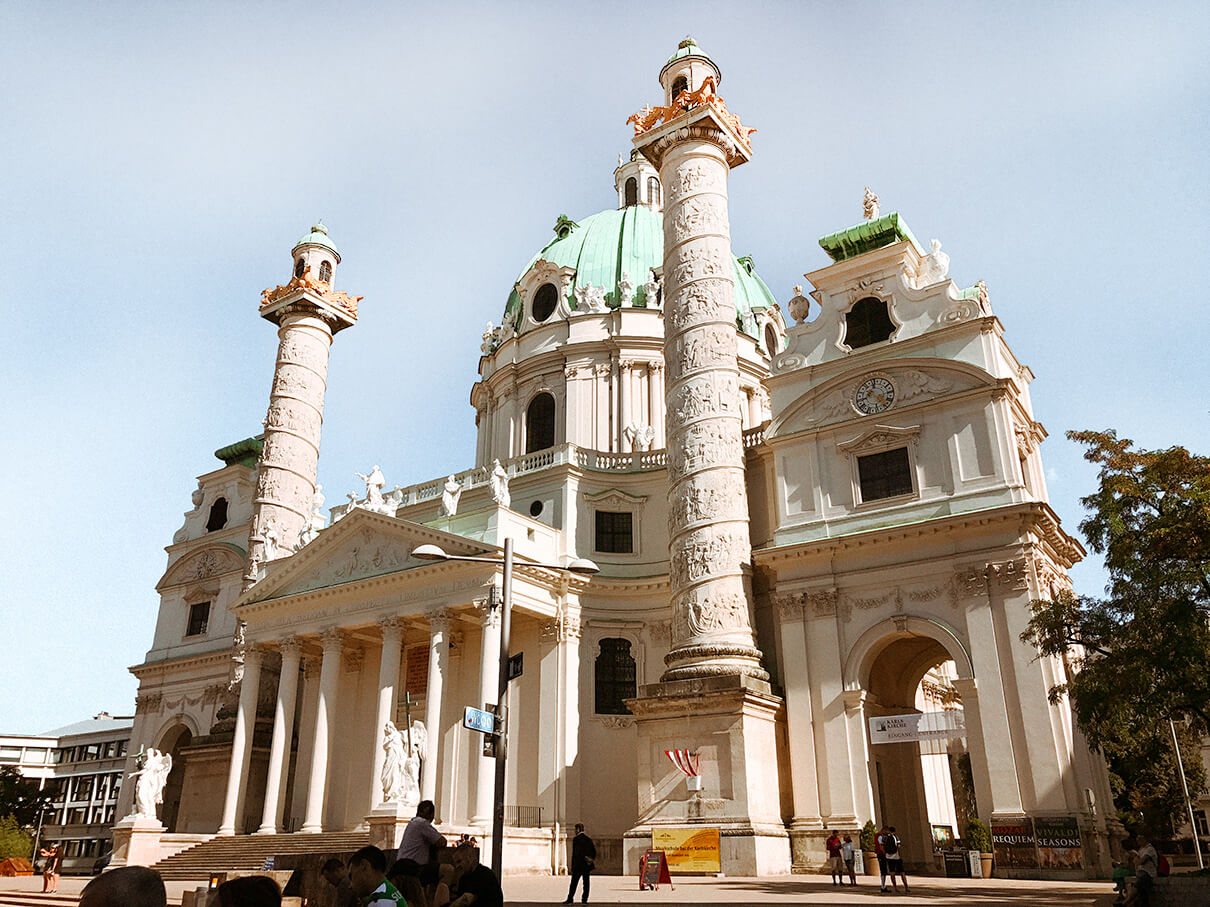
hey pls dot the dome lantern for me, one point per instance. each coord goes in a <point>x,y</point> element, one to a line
<point>316,252</point>
<point>637,183</point>
<point>687,70</point>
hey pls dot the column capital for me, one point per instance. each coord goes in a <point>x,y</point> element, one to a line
<point>391,626</point>
<point>488,616</point>
<point>333,639</point>
<point>290,646</point>
<point>440,620</point>
<point>854,699</point>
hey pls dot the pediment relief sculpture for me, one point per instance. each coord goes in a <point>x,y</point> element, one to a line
<point>209,562</point>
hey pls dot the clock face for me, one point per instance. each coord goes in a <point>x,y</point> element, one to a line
<point>874,396</point>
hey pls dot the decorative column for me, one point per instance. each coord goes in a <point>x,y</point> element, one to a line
<point>601,374</point>
<point>712,624</point>
<point>624,372</point>
<point>308,312</point>
<point>656,404</point>
<point>388,677</point>
<point>439,656</point>
<point>489,678</point>
<point>283,733</point>
<point>241,744</point>
<point>325,715</point>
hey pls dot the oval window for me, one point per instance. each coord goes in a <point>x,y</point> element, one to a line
<point>545,302</point>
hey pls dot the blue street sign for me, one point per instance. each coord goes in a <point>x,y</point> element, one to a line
<point>479,720</point>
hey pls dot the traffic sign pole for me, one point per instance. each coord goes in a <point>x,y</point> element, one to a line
<point>502,712</point>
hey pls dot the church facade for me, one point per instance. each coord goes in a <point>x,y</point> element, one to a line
<point>805,526</point>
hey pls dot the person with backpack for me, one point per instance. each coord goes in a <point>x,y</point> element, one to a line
<point>892,858</point>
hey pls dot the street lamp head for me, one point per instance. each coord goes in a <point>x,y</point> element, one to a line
<point>584,567</point>
<point>429,553</point>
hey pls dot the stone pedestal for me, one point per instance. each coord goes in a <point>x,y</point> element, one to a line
<point>387,823</point>
<point>736,726</point>
<point>136,841</point>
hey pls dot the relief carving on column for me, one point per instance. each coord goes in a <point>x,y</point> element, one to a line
<point>696,262</point>
<point>716,496</point>
<point>700,215</point>
<point>703,301</point>
<point>703,445</point>
<point>709,551</point>
<point>706,609</point>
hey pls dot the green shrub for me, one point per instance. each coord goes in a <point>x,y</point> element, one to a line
<point>978,836</point>
<point>13,841</point>
<point>869,832</point>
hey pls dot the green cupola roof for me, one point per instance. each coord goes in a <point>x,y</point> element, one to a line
<point>603,246</point>
<point>688,48</point>
<point>318,237</point>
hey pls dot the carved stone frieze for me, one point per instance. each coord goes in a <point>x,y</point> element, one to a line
<point>712,550</point>
<point>709,608</point>
<point>718,496</point>
<point>148,702</point>
<point>616,722</point>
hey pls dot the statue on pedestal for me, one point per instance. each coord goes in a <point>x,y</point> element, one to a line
<point>374,482</point>
<point>450,494</point>
<point>499,484</point>
<point>152,776</point>
<point>392,763</point>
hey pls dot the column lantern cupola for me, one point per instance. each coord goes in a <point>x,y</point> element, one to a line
<point>687,70</point>
<point>316,251</point>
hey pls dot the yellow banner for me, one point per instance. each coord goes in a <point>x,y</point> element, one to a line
<point>692,849</point>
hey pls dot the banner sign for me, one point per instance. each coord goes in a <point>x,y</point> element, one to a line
<point>1014,845</point>
<point>1059,844</point>
<point>692,849</point>
<point>917,726</point>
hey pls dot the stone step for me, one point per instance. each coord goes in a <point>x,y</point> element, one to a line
<point>249,852</point>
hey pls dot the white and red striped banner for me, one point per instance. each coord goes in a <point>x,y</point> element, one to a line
<point>684,760</point>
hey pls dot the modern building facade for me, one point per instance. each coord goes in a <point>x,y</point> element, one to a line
<point>82,767</point>
<point>797,521</point>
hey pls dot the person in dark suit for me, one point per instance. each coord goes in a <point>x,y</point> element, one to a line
<point>583,862</point>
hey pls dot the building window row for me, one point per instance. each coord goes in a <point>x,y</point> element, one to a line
<point>110,749</point>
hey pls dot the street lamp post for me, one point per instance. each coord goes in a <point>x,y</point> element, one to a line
<point>580,565</point>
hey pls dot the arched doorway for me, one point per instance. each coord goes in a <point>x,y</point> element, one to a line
<point>920,771</point>
<point>173,742</point>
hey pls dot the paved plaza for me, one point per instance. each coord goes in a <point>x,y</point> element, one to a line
<point>798,889</point>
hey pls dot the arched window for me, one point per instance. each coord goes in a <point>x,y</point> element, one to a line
<point>218,515</point>
<point>653,190</point>
<point>770,340</point>
<point>545,302</point>
<point>632,192</point>
<point>679,84</point>
<point>299,267</point>
<point>867,322</point>
<point>325,271</point>
<point>540,423</point>
<point>614,677</point>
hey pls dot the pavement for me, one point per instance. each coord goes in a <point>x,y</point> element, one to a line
<point>522,891</point>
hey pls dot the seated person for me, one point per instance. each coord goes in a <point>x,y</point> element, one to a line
<point>477,884</point>
<point>368,876</point>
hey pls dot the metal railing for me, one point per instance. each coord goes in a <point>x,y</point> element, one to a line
<point>523,816</point>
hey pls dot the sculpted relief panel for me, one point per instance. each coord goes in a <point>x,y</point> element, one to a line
<point>704,444</point>
<point>709,609</point>
<point>709,551</point>
<point>716,495</point>
<point>703,301</point>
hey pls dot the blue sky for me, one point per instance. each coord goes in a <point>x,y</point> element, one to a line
<point>159,160</point>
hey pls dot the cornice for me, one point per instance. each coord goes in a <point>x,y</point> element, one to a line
<point>171,665</point>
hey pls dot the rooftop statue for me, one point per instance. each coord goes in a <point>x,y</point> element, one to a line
<point>450,493</point>
<point>935,266</point>
<point>499,484</point>
<point>869,204</point>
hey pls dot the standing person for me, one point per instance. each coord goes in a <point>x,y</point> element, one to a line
<point>338,892</point>
<point>477,884</point>
<point>835,860</point>
<point>421,842</point>
<point>880,852</point>
<point>1146,865</point>
<point>368,876</point>
<point>53,863</point>
<point>894,858</point>
<point>849,854</point>
<point>583,862</point>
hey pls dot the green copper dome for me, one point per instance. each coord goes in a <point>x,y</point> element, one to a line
<point>319,237</point>
<point>604,246</point>
<point>689,48</point>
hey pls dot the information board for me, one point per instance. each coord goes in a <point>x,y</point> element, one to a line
<point>689,849</point>
<point>653,870</point>
<point>917,726</point>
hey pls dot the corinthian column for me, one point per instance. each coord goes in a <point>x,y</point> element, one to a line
<point>388,677</point>
<point>241,744</point>
<point>325,715</point>
<point>708,521</point>
<point>283,732</point>
<point>439,657</point>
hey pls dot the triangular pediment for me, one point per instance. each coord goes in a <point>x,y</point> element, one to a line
<point>358,547</point>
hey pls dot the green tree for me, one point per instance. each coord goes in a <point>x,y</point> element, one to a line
<point>1140,655</point>
<point>14,842</point>
<point>20,797</point>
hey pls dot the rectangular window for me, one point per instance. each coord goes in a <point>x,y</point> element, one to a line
<point>122,747</point>
<point>115,787</point>
<point>199,618</point>
<point>109,750</point>
<point>10,754</point>
<point>92,751</point>
<point>83,789</point>
<point>884,475</point>
<point>615,532</point>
